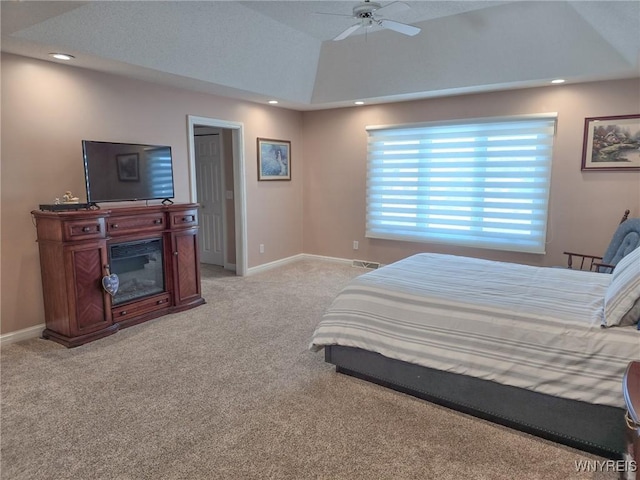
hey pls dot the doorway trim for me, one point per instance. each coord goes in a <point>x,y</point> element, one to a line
<point>240,195</point>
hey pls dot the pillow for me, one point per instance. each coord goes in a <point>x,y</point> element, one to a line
<point>630,259</point>
<point>632,316</point>
<point>623,292</point>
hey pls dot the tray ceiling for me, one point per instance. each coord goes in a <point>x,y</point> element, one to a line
<point>282,50</point>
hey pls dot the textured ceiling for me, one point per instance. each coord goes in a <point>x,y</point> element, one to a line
<point>261,50</point>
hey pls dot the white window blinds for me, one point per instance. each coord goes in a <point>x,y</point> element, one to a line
<point>482,183</point>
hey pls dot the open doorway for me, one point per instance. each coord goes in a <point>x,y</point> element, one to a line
<point>216,173</point>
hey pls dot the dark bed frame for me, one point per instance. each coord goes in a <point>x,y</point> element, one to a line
<point>597,429</point>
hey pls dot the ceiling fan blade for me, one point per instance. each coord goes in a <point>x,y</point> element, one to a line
<point>347,32</point>
<point>333,14</point>
<point>392,9</point>
<point>399,27</point>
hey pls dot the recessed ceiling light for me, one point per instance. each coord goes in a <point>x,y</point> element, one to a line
<point>359,102</point>
<point>558,80</point>
<point>62,56</point>
<point>273,102</point>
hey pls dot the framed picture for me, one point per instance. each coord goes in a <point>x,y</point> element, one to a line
<point>611,143</point>
<point>274,159</point>
<point>128,167</point>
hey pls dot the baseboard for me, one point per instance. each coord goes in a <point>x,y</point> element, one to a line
<point>310,256</point>
<point>277,263</point>
<point>307,256</point>
<point>344,261</point>
<point>19,335</point>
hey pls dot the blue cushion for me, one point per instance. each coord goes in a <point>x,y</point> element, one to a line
<point>625,240</point>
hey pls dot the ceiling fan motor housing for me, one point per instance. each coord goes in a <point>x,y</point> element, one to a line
<point>365,10</point>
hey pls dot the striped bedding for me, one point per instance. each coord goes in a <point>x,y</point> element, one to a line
<point>532,327</point>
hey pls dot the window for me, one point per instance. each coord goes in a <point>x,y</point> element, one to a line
<point>480,183</point>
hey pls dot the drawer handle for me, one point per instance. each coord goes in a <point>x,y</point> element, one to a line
<point>160,302</point>
<point>86,229</point>
<point>123,312</point>
<point>114,225</point>
<point>157,221</point>
<point>630,423</point>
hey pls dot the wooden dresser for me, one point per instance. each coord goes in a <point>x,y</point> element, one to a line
<point>75,253</point>
<point>631,390</point>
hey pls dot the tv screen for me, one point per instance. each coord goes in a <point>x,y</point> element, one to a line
<point>124,171</point>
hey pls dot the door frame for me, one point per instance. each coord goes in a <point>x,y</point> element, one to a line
<point>240,194</point>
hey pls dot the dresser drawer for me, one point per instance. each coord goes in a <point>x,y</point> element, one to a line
<point>141,307</point>
<point>83,229</point>
<point>136,223</point>
<point>631,393</point>
<point>184,218</point>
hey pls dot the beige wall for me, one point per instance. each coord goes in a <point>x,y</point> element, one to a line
<point>48,108</point>
<point>585,207</point>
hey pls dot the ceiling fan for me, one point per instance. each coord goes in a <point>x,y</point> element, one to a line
<point>369,14</point>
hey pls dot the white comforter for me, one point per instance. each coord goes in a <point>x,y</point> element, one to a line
<point>531,327</point>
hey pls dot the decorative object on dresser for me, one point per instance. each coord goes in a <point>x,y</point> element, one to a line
<point>151,250</point>
<point>110,282</point>
<point>69,197</point>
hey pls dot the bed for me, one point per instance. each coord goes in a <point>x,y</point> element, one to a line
<point>543,350</point>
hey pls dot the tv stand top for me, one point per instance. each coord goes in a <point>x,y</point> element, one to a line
<point>74,209</point>
<point>175,209</point>
<point>65,207</point>
<point>117,222</point>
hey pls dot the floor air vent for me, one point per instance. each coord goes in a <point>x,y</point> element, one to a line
<point>363,264</point>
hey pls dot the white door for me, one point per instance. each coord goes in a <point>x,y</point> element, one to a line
<point>209,182</point>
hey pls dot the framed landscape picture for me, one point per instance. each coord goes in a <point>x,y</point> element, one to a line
<point>274,159</point>
<point>611,143</point>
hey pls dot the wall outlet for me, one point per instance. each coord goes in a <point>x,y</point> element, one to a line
<point>261,248</point>
<point>355,244</point>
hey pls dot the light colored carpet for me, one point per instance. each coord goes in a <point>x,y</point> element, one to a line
<point>230,390</point>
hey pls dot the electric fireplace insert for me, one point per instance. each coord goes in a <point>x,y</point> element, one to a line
<point>139,267</point>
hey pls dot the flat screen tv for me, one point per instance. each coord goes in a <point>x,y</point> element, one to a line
<point>124,171</point>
